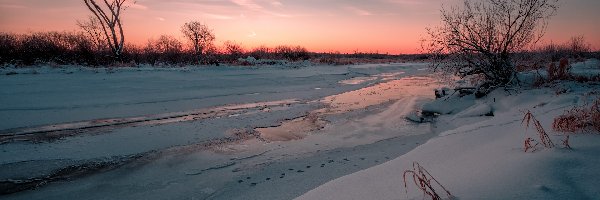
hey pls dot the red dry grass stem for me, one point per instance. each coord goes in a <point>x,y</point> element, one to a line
<point>544,138</point>
<point>528,144</point>
<point>425,182</point>
<point>579,119</point>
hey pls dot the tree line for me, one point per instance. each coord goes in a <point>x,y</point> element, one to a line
<point>102,41</point>
<point>78,48</point>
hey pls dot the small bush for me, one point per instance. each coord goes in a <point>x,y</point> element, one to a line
<point>166,49</point>
<point>293,53</point>
<point>579,119</point>
<point>561,72</point>
<point>233,51</point>
<point>577,48</point>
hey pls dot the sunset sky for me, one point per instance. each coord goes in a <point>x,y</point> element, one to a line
<point>386,26</point>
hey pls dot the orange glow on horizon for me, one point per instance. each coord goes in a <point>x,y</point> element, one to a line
<point>383,26</point>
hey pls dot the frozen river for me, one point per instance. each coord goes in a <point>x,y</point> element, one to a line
<point>202,133</point>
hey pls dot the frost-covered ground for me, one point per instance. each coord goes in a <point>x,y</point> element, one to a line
<point>195,133</point>
<point>312,132</point>
<point>482,157</point>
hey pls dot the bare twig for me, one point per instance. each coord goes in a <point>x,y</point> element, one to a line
<point>544,138</point>
<point>425,182</point>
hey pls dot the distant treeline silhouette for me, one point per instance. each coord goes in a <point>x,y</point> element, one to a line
<point>77,48</point>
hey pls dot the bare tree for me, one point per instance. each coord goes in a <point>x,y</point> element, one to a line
<point>168,44</point>
<point>233,49</point>
<point>93,31</point>
<point>166,49</point>
<point>578,46</point>
<point>199,35</point>
<point>110,22</point>
<point>481,38</point>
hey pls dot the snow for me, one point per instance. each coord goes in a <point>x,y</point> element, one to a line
<point>74,94</point>
<point>179,141</point>
<point>351,141</point>
<point>451,105</point>
<point>589,67</point>
<point>482,157</point>
<point>261,62</point>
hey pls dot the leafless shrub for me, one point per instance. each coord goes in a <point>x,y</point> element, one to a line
<point>8,44</point>
<point>575,48</point>
<point>233,50</point>
<point>579,119</point>
<point>425,182</point>
<point>165,49</point>
<point>483,37</point>
<point>293,53</point>
<point>261,52</point>
<point>578,46</point>
<point>559,73</point>
<point>46,47</point>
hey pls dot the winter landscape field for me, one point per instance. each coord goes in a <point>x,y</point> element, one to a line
<point>265,99</point>
<point>231,137</point>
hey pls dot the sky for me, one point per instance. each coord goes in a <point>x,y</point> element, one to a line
<point>383,26</point>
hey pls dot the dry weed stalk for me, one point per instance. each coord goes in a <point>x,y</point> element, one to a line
<point>579,119</point>
<point>565,142</point>
<point>561,72</point>
<point>529,144</point>
<point>544,138</point>
<point>423,180</point>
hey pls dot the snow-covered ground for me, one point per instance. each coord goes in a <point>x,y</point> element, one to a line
<point>311,132</point>
<point>482,157</point>
<point>198,132</point>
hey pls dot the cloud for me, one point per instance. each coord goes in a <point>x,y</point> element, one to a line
<point>136,5</point>
<point>358,11</point>
<point>216,16</point>
<point>276,3</point>
<point>12,6</point>
<point>161,19</point>
<point>217,3</point>
<point>249,4</point>
<point>256,7</point>
<point>408,2</point>
<point>276,14</point>
<point>252,34</point>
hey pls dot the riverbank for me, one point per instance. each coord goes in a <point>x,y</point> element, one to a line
<point>486,153</point>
